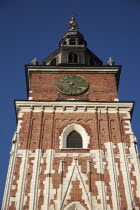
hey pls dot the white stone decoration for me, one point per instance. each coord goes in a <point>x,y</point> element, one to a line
<point>58,107</point>
<point>74,206</point>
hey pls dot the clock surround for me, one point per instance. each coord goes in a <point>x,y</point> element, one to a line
<point>72,85</point>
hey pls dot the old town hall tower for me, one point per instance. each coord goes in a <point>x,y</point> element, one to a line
<point>73,148</point>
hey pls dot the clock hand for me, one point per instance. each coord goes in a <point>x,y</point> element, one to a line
<point>71,83</point>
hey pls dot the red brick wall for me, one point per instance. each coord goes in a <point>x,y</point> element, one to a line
<point>102,87</point>
<point>39,132</point>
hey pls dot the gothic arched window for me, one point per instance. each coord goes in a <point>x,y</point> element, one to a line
<point>74,136</point>
<point>72,58</point>
<point>74,140</point>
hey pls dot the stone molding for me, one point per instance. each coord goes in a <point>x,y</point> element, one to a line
<point>74,205</point>
<point>90,153</point>
<point>73,106</point>
<point>69,68</point>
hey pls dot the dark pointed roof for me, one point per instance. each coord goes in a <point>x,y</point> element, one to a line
<point>73,50</point>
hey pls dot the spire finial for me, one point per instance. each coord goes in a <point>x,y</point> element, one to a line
<point>72,24</point>
<point>34,62</point>
<point>111,62</point>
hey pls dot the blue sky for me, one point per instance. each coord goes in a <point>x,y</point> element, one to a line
<point>31,29</point>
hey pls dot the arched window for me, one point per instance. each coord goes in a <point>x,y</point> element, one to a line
<point>74,136</point>
<point>72,42</point>
<point>74,140</point>
<point>72,58</point>
<point>53,62</point>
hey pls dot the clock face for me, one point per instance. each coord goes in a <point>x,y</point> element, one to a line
<point>72,85</point>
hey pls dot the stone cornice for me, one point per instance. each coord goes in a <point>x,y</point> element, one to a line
<point>84,69</point>
<point>73,106</point>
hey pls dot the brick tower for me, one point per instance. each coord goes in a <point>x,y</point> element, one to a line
<point>74,147</point>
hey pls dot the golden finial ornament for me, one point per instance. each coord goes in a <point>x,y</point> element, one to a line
<point>72,24</point>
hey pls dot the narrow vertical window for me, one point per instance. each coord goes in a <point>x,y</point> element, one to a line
<point>75,58</point>
<point>74,140</point>
<point>72,58</point>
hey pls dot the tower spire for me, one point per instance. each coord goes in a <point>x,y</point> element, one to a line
<point>72,24</point>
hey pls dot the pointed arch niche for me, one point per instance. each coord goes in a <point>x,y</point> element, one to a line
<point>74,205</point>
<point>70,130</point>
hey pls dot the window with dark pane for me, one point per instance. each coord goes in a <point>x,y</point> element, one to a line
<point>64,43</point>
<point>72,58</point>
<point>81,42</point>
<point>91,62</point>
<point>53,62</point>
<point>72,42</point>
<point>74,140</point>
<point>75,58</point>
